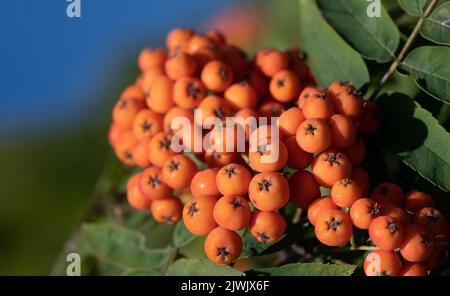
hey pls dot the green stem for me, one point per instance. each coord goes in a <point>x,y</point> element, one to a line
<point>404,50</point>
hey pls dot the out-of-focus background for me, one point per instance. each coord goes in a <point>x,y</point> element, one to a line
<point>59,79</point>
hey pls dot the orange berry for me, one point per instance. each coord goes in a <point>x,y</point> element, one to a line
<point>140,153</point>
<point>176,112</point>
<point>267,227</point>
<point>217,76</point>
<point>363,212</point>
<point>270,156</point>
<point>284,86</point>
<point>430,219</point>
<point>356,152</point>
<point>145,79</point>
<point>319,105</point>
<point>382,263</point>
<point>290,120</point>
<point>147,124</point>
<point>348,101</point>
<point>135,198</point>
<point>333,228</point>
<point>223,246</point>
<point>160,94</point>
<point>413,269</point>
<point>151,184</point>
<point>216,159</point>
<point>179,65</point>
<point>271,61</point>
<point>167,210</point>
<point>212,106</point>
<point>417,244</point>
<point>362,178</point>
<point>241,95</point>
<point>345,192</point>
<point>217,37</point>
<point>330,166</point>
<point>160,148</point>
<point>178,38</point>
<point>271,109</point>
<point>178,171</point>
<point>125,110</point>
<point>313,135</point>
<point>198,42</point>
<point>416,200</point>
<point>149,58</point>
<point>204,183</point>
<point>124,148</point>
<point>133,91</point>
<point>343,132</point>
<point>233,179</point>
<point>188,92</point>
<point>386,233</point>
<point>318,207</point>
<point>269,191</point>
<point>307,93</point>
<point>232,212</point>
<point>198,215</point>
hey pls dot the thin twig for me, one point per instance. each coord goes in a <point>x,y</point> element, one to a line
<point>404,50</point>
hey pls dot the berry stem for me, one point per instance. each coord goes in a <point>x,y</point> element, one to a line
<point>404,50</point>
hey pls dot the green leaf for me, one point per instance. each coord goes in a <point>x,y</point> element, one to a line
<point>182,236</point>
<point>307,269</point>
<point>328,56</point>
<point>252,247</point>
<point>416,7</point>
<point>414,135</point>
<point>200,267</point>
<point>122,247</point>
<point>376,38</point>
<point>436,27</point>
<point>430,68</point>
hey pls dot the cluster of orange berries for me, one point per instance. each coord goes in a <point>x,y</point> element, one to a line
<point>318,128</point>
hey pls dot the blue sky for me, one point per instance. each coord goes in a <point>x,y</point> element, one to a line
<point>52,68</point>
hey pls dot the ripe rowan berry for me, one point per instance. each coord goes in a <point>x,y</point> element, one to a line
<point>270,156</point>
<point>271,61</point>
<point>297,158</point>
<point>417,244</point>
<point>267,227</point>
<point>198,215</point>
<point>147,124</point>
<point>223,246</point>
<point>172,114</point>
<point>307,93</point>
<point>124,148</point>
<point>205,55</point>
<point>217,76</point>
<point>290,120</point>
<point>330,166</point>
<point>271,109</point>
<point>160,148</point>
<point>204,183</point>
<point>179,65</point>
<point>188,92</point>
<point>258,81</point>
<point>398,214</point>
<point>178,171</point>
<point>167,210</point>
<point>319,206</point>
<point>160,94</point>
<point>319,105</point>
<point>197,42</point>
<point>133,91</point>
<point>151,57</point>
<point>382,263</point>
<point>416,200</point>
<point>241,95</point>
<point>345,192</point>
<point>284,86</point>
<point>135,198</point>
<point>439,255</point>
<point>371,119</point>
<point>343,132</point>
<point>212,106</point>
<point>356,151</point>
<point>125,110</point>
<point>363,212</point>
<point>347,100</point>
<point>333,228</point>
<point>362,178</point>
<point>232,212</point>
<point>269,191</point>
<point>146,78</point>
<point>236,58</point>
<point>178,38</point>
<point>338,87</point>
<point>388,193</point>
<point>386,233</point>
<point>431,219</point>
<point>140,153</point>
<point>216,159</point>
<point>115,133</point>
<point>222,138</point>
<point>303,189</point>
<point>233,179</point>
<point>413,269</point>
<point>313,135</point>
<point>151,184</point>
